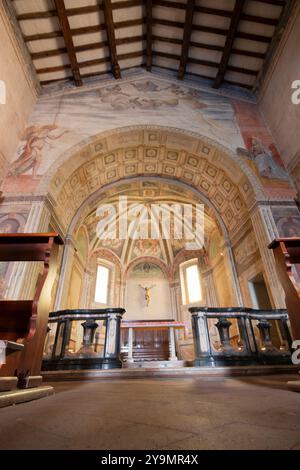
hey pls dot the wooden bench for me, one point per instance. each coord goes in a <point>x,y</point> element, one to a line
<point>26,320</point>
<point>287,254</point>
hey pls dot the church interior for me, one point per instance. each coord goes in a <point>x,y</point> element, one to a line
<point>149,225</point>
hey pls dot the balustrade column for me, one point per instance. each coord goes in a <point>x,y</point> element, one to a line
<point>223,326</point>
<point>130,345</point>
<point>264,327</point>
<point>112,345</point>
<point>201,337</point>
<point>89,329</point>
<point>172,345</point>
<point>62,337</point>
<point>174,290</point>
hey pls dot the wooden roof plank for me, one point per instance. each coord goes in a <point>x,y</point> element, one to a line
<point>235,19</point>
<point>111,38</point>
<point>149,35</point>
<point>187,33</point>
<point>66,31</point>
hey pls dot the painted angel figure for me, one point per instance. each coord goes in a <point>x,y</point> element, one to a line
<point>35,138</point>
<point>264,160</point>
<point>147,293</point>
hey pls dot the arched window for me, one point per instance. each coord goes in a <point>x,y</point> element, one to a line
<point>102,283</point>
<point>190,282</point>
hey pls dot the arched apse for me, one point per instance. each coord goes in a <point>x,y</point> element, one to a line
<point>154,190</point>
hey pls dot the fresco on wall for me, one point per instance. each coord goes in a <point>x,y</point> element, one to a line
<point>264,161</point>
<point>147,247</point>
<point>137,192</point>
<point>287,220</point>
<point>34,140</point>
<point>61,121</point>
<point>147,271</point>
<point>260,152</point>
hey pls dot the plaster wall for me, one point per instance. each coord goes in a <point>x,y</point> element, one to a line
<point>281,115</point>
<point>20,94</point>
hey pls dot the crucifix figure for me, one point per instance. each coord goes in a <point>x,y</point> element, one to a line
<point>147,293</point>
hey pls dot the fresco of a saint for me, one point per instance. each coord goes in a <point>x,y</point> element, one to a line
<point>264,161</point>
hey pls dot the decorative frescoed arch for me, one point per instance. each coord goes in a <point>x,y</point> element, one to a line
<point>222,176</point>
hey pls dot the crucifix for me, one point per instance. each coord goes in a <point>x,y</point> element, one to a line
<point>147,293</point>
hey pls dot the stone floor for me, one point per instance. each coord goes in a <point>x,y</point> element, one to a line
<point>189,413</point>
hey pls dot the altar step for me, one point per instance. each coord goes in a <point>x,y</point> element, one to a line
<point>11,395</point>
<point>21,396</point>
<point>166,372</point>
<point>154,364</point>
<point>150,353</point>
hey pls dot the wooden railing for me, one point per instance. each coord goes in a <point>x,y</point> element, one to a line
<point>287,256</point>
<point>25,321</point>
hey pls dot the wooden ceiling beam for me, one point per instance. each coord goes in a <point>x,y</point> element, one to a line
<point>136,22</point>
<point>206,77</point>
<point>276,3</point>
<point>211,47</point>
<point>77,10</point>
<point>171,4</point>
<point>217,12</point>
<point>181,6</point>
<point>207,63</point>
<point>66,30</point>
<point>213,30</point>
<point>84,75</point>
<point>90,63</point>
<point>83,30</point>
<point>136,39</point>
<point>128,4</point>
<point>187,33</point>
<point>86,47</point>
<point>111,38</point>
<point>149,35</point>
<point>234,23</point>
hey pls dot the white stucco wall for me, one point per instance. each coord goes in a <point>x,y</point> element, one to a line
<point>159,308</point>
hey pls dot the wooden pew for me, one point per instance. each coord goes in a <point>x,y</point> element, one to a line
<point>287,253</point>
<point>25,321</point>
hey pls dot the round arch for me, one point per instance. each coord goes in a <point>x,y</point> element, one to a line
<point>157,136</point>
<point>220,175</point>
<point>94,198</point>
